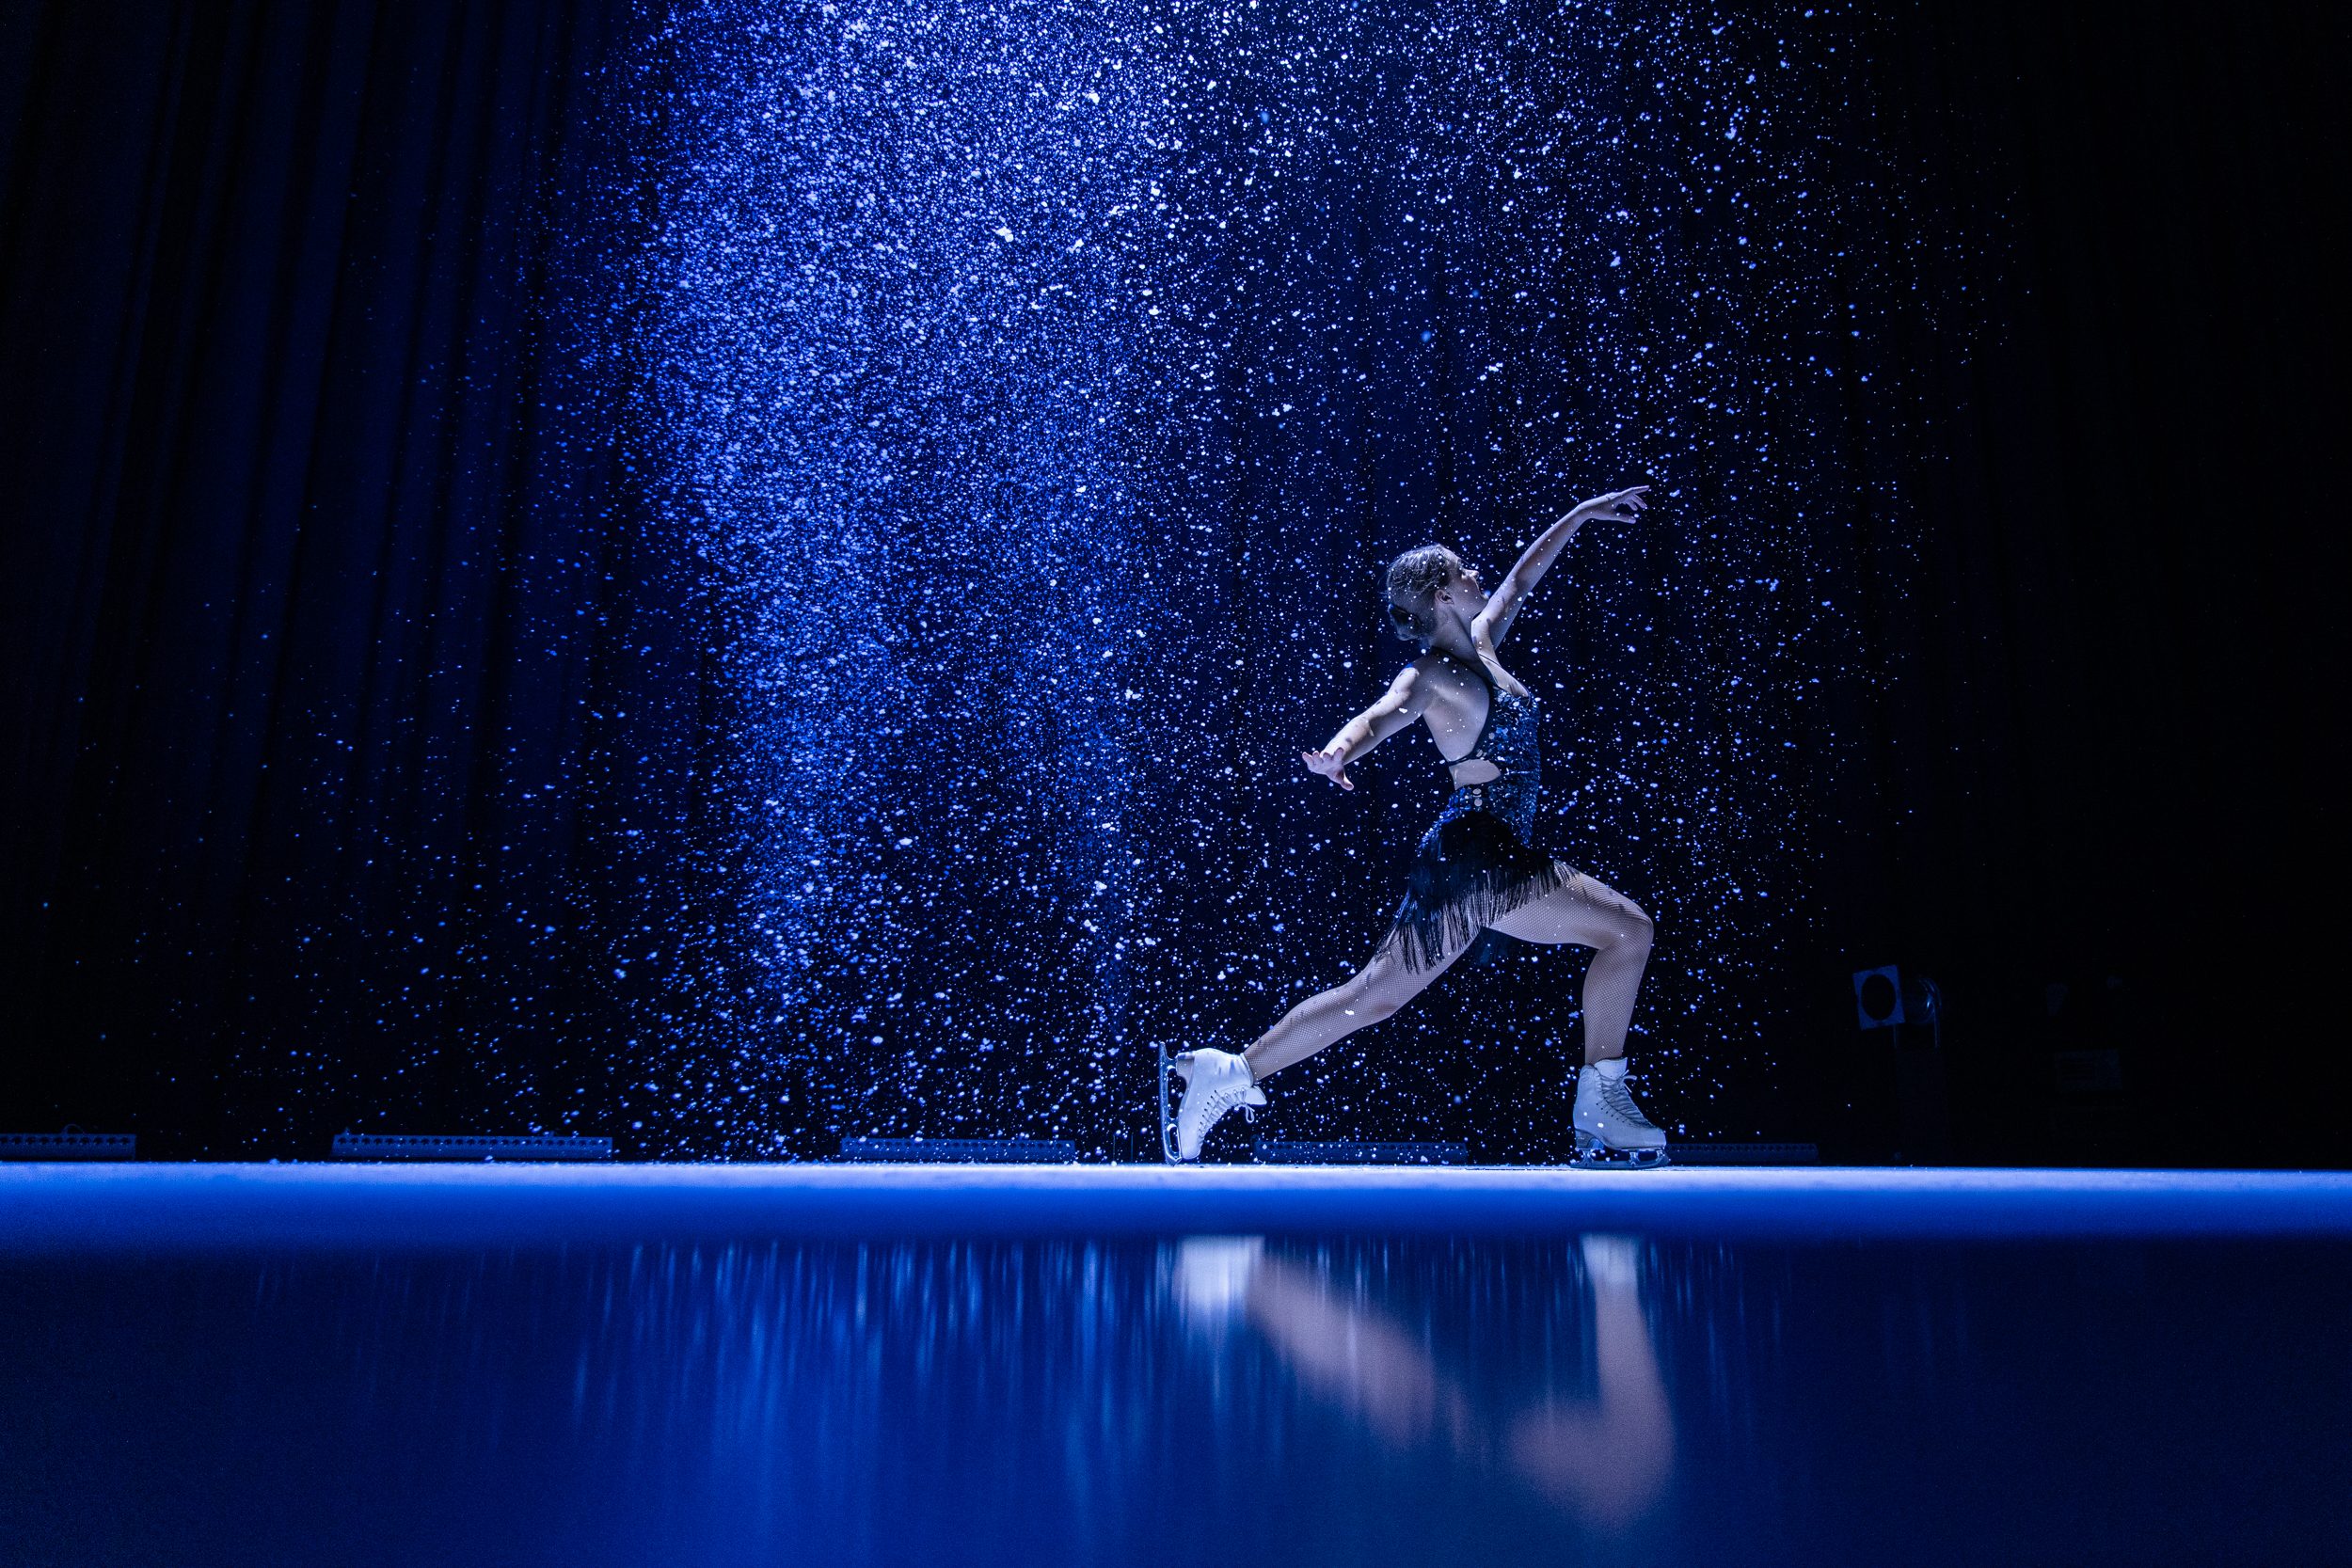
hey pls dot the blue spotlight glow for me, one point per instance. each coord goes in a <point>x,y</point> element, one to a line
<point>1037,389</point>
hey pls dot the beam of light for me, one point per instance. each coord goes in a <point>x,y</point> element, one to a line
<point>1037,389</point>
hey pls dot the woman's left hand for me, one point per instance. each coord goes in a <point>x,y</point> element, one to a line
<point>1331,764</point>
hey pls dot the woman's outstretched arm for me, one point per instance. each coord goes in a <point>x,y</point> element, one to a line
<point>1618,506</point>
<point>1403,703</point>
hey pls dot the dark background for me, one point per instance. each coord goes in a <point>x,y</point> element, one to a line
<point>328,652</point>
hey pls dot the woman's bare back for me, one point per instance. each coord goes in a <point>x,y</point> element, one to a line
<point>1457,708</point>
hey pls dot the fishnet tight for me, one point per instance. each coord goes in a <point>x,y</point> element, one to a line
<point>1585,911</point>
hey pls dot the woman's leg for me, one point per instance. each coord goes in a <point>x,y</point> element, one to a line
<point>1593,914</point>
<point>1376,991</point>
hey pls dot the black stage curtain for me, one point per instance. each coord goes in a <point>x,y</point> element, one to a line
<point>2113,748</point>
<point>308,575</point>
<point>330,659</point>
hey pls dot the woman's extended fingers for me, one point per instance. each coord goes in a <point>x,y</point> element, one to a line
<point>1618,506</point>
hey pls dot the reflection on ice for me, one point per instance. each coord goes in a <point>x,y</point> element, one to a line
<point>1610,1457</point>
<point>1216,1399</point>
<point>1607,1456</point>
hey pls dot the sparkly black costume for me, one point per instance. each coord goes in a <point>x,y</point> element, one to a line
<point>1474,864</point>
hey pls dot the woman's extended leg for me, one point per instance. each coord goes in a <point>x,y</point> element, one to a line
<point>1376,991</point>
<point>1593,914</point>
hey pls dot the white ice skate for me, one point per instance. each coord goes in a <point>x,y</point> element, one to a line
<point>1611,1130</point>
<point>1214,1082</point>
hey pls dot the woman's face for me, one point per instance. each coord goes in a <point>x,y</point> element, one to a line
<point>1463,590</point>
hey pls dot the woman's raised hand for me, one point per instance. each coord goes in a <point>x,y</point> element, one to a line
<point>1331,763</point>
<point>1618,506</point>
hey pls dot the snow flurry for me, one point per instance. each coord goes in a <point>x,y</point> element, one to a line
<point>1035,392</point>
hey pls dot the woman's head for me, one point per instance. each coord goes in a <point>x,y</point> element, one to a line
<point>1423,585</point>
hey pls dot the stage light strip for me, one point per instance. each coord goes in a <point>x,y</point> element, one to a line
<point>1003,1151</point>
<point>69,1146</point>
<point>1743,1154</point>
<point>373,1146</point>
<point>1285,1151</point>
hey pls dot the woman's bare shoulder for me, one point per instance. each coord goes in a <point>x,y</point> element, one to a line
<point>1438,670</point>
<point>1437,664</point>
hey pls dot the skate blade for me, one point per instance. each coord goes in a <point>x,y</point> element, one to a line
<point>1593,1154</point>
<point>1168,1112</point>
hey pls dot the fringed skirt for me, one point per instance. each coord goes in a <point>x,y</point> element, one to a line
<point>1474,867</point>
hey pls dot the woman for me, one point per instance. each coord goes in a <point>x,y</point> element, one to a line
<point>1474,870</point>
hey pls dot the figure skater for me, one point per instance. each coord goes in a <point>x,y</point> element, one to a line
<point>1475,869</point>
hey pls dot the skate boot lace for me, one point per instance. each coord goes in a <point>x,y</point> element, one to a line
<point>1619,1100</point>
<point>1217,1101</point>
